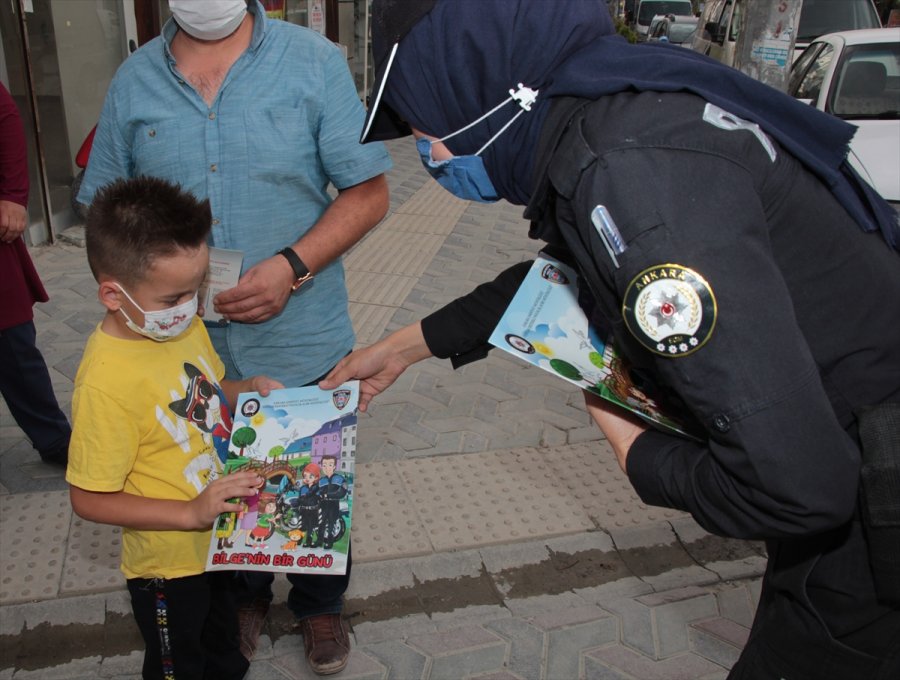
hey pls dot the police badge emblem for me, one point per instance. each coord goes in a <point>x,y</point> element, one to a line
<point>554,274</point>
<point>340,398</point>
<point>670,309</point>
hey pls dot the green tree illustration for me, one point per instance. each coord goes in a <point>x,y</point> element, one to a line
<point>243,437</point>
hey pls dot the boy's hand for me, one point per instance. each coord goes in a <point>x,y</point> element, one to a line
<point>263,384</point>
<point>213,500</point>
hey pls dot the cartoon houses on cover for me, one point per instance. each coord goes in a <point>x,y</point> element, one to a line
<point>335,438</point>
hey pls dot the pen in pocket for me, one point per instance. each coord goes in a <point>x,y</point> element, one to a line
<point>608,232</point>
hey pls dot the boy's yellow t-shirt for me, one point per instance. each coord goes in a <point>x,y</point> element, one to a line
<point>150,419</point>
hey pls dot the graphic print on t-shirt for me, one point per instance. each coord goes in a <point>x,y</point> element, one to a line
<point>205,407</point>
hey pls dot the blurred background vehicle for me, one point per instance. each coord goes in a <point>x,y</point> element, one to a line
<point>855,75</point>
<point>672,28</point>
<point>647,9</point>
<point>719,30</point>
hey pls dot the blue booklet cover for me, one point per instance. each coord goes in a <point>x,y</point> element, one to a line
<point>545,326</point>
<point>302,442</point>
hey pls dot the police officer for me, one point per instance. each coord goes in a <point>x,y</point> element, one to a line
<point>731,253</point>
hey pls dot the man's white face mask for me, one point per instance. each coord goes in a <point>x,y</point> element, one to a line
<point>208,19</point>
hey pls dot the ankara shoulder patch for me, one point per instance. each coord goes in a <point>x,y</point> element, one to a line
<point>670,309</point>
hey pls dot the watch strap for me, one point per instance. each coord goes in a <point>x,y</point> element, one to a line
<point>301,271</point>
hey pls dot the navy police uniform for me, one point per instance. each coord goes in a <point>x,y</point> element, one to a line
<point>732,275</point>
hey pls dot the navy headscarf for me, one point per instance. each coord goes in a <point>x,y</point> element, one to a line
<point>464,56</point>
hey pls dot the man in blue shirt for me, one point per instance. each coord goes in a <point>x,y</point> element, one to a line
<point>258,116</point>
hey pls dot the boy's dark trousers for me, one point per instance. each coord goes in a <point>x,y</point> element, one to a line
<point>189,626</point>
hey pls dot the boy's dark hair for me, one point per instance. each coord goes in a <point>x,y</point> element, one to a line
<point>131,222</point>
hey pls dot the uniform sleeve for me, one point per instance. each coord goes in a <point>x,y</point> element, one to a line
<point>110,157</point>
<point>346,161</point>
<point>776,462</point>
<point>460,330</point>
<point>104,442</point>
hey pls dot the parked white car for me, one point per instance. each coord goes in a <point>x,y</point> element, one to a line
<point>722,23</point>
<point>855,75</point>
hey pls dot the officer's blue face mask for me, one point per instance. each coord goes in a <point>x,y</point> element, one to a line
<point>465,176</point>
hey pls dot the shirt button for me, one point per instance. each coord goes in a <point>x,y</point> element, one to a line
<point>722,423</point>
<point>215,220</point>
<point>212,115</point>
<point>212,168</point>
<point>152,133</point>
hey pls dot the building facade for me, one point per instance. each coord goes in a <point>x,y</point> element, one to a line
<point>57,58</point>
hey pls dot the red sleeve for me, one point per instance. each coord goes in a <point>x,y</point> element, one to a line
<point>13,153</point>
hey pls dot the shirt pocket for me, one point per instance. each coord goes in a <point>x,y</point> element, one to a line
<point>647,244</point>
<point>281,145</point>
<point>157,149</point>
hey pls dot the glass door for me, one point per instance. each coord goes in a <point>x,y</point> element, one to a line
<point>60,65</point>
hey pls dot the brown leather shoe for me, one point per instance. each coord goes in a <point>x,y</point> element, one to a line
<point>251,618</point>
<point>327,643</point>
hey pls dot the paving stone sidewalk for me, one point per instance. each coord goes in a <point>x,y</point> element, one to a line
<point>557,572</point>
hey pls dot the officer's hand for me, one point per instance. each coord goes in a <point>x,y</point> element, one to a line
<point>261,293</point>
<point>620,427</point>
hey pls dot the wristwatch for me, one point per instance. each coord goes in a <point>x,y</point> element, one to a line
<point>301,271</point>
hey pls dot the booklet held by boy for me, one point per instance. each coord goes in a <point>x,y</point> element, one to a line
<point>545,326</point>
<point>302,442</point>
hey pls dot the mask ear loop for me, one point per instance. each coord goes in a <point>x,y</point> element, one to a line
<point>525,97</point>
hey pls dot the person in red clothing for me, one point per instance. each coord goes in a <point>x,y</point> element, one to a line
<point>24,379</point>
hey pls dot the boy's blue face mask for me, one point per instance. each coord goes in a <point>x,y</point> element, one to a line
<point>465,176</point>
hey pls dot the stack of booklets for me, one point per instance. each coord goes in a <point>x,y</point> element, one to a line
<point>545,326</point>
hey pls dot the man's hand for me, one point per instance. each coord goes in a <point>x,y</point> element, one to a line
<point>261,293</point>
<point>378,366</point>
<point>620,427</point>
<point>13,219</point>
<point>213,500</point>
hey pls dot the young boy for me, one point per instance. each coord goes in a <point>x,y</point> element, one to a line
<point>152,422</point>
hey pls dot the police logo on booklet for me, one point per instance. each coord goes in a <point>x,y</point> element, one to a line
<point>670,309</point>
<point>340,398</point>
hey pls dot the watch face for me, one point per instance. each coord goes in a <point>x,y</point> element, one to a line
<point>299,282</point>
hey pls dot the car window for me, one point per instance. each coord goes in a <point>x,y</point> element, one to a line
<point>811,84</point>
<point>867,82</point>
<point>737,21</point>
<point>650,8</point>
<point>679,32</point>
<point>798,70</point>
<point>818,17</point>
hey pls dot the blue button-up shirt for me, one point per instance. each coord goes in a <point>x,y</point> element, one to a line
<point>285,123</point>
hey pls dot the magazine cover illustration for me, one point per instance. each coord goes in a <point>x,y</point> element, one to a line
<point>302,442</point>
<point>545,326</point>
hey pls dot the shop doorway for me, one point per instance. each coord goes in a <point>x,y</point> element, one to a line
<point>57,58</point>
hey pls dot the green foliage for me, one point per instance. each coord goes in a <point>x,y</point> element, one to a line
<point>243,437</point>
<point>625,30</point>
<point>565,369</point>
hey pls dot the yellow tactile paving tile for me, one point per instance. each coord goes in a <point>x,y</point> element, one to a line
<point>433,199</point>
<point>92,558</point>
<point>394,252</point>
<point>376,288</point>
<point>33,537</point>
<point>385,521</point>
